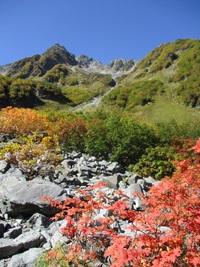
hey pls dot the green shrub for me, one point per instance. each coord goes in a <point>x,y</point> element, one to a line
<point>156,162</point>
<point>96,141</point>
<point>57,74</point>
<point>45,261</point>
<point>128,139</point>
<point>21,89</point>
<point>119,139</point>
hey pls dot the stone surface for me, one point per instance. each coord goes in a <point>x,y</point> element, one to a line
<point>26,197</point>
<point>30,239</point>
<point>13,232</point>
<point>9,247</point>
<point>4,166</point>
<point>3,226</point>
<point>38,221</point>
<point>26,259</point>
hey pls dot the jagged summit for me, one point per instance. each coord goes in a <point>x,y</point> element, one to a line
<point>60,55</point>
<point>38,65</point>
<point>85,61</point>
<point>117,66</point>
<point>121,64</point>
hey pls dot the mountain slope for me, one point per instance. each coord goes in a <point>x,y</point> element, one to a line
<point>38,65</point>
<point>57,76</point>
<point>165,85</point>
<point>167,79</point>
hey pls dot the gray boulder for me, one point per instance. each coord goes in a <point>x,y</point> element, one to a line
<point>112,181</point>
<point>9,247</point>
<point>25,197</point>
<point>13,232</point>
<point>3,226</point>
<point>4,166</point>
<point>30,239</point>
<point>11,176</point>
<point>38,221</point>
<point>27,258</point>
<point>150,181</point>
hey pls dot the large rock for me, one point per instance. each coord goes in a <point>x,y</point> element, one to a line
<point>9,247</point>
<point>38,221</point>
<point>10,175</point>
<point>27,258</point>
<point>134,192</point>
<point>112,181</point>
<point>25,197</point>
<point>30,239</point>
<point>13,232</point>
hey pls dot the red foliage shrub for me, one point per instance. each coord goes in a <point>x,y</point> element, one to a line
<point>165,234</point>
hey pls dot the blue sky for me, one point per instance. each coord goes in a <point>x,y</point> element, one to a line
<point>102,29</point>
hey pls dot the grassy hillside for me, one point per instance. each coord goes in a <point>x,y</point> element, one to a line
<point>165,85</point>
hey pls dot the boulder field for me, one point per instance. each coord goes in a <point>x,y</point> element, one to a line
<point>26,230</point>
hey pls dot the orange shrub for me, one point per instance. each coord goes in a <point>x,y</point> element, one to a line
<point>70,131</point>
<point>22,121</point>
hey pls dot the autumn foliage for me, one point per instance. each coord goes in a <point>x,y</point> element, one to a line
<point>165,234</point>
<point>22,121</point>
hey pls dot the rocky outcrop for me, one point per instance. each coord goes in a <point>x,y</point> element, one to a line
<point>4,69</point>
<point>115,67</point>
<point>121,65</point>
<point>88,62</point>
<point>26,230</point>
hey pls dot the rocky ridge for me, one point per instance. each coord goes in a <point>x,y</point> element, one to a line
<point>38,65</point>
<point>115,68</point>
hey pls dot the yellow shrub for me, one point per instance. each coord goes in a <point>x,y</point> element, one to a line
<point>22,121</point>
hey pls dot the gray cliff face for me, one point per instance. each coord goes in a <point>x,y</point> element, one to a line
<point>86,62</point>
<point>121,65</point>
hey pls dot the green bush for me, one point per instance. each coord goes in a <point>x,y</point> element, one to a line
<point>96,141</point>
<point>57,74</point>
<point>4,85</point>
<point>129,139</point>
<point>119,139</point>
<point>156,162</point>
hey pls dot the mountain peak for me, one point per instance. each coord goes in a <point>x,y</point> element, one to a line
<point>60,55</point>
<point>57,48</point>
